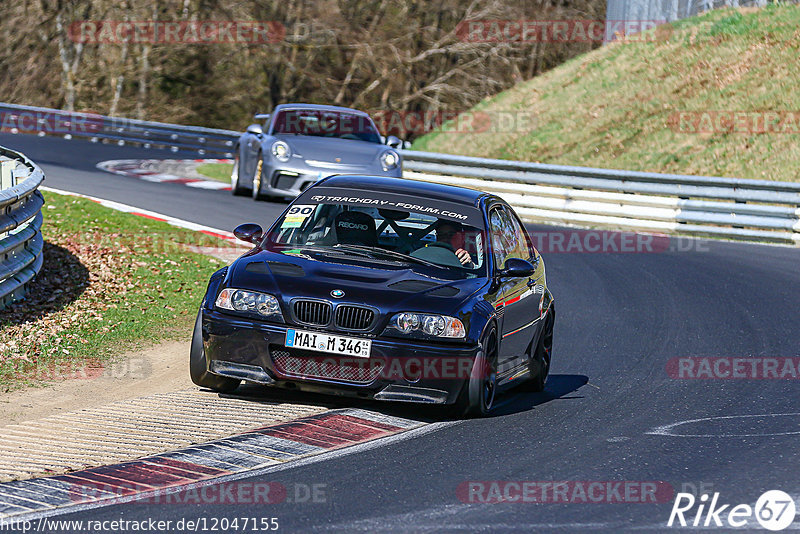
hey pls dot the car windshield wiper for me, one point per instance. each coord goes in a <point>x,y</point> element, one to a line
<point>387,252</point>
<point>321,249</point>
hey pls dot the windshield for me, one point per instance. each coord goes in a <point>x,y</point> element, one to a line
<point>323,123</point>
<point>408,236</point>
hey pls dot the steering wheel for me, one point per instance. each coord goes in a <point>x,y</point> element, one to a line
<point>442,244</point>
<point>438,253</point>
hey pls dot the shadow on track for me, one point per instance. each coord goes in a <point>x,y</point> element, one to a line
<point>557,387</point>
<point>512,401</point>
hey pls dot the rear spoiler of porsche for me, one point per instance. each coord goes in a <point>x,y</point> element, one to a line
<point>261,116</point>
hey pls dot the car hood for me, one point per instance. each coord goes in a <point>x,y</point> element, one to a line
<point>327,149</point>
<point>388,285</point>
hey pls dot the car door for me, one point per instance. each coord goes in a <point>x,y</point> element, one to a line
<point>516,296</point>
<point>536,283</point>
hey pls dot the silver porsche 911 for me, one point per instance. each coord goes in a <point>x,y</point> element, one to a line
<point>299,144</point>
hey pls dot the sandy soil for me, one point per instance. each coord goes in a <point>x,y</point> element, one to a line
<point>159,369</point>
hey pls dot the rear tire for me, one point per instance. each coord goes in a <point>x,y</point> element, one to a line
<point>540,362</point>
<point>198,364</point>
<point>236,189</point>
<point>477,396</point>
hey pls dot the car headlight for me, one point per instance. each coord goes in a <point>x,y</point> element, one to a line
<point>261,304</point>
<point>426,326</point>
<point>389,160</point>
<point>281,151</point>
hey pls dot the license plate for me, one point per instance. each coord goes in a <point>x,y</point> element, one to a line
<point>319,342</point>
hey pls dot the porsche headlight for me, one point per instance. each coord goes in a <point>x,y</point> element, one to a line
<point>426,326</point>
<point>240,300</point>
<point>281,151</point>
<point>389,160</point>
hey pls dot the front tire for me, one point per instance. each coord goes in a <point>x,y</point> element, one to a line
<point>258,178</point>
<point>237,189</point>
<point>198,364</point>
<point>480,389</point>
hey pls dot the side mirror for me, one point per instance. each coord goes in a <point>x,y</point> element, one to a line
<point>517,268</point>
<point>250,232</point>
<point>393,141</point>
<point>255,129</point>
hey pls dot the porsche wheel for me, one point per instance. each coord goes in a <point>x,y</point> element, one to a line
<point>198,364</point>
<point>236,189</point>
<point>477,397</point>
<point>257,178</point>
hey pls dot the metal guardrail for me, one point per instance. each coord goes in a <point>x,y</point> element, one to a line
<point>46,121</point>
<point>760,210</point>
<point>20,224</point>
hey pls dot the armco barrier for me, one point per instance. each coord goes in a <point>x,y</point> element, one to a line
<point>759,210</point>
<point>20,224</point>
<point>45,121</point>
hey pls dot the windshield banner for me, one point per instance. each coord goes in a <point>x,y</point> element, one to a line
<point>382,200</point>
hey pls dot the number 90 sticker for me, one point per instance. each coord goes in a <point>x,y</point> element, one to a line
<point>296,215</point>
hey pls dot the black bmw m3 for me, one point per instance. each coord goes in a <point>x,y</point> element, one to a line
<point>381,288</point>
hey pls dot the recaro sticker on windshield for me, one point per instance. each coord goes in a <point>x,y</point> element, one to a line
<point>296,215</point>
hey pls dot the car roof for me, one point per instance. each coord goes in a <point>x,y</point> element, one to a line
<point>449,193</point>
<point>319,107</point>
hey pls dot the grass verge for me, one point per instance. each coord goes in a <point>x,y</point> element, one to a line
<point>619,106</point>
<point>111,282</point>
<point>220,172</point>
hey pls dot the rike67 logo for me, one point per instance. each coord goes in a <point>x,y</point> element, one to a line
<point>774,510</point>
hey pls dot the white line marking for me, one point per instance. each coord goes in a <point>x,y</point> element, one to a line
<point>224,234</point>
<point>666,430</point>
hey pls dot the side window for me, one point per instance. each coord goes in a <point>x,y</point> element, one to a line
<point>498,236</point>
<point>513,237</point>
<point>524,249</point>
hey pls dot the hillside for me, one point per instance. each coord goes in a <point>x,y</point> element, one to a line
<point>655,106</point>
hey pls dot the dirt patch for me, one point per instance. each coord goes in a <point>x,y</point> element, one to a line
<point>159,369</point>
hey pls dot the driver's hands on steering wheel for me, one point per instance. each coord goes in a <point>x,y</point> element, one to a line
<point>464,257</point>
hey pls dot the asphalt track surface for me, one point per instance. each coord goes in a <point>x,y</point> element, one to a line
<point>621,318</point>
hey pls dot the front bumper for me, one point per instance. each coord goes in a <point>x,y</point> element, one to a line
<point>397,370</point>
<point>292,178</point>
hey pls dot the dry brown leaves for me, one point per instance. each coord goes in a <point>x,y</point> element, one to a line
<point>78,281</point>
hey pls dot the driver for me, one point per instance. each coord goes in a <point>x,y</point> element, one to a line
<point>452,234</point>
